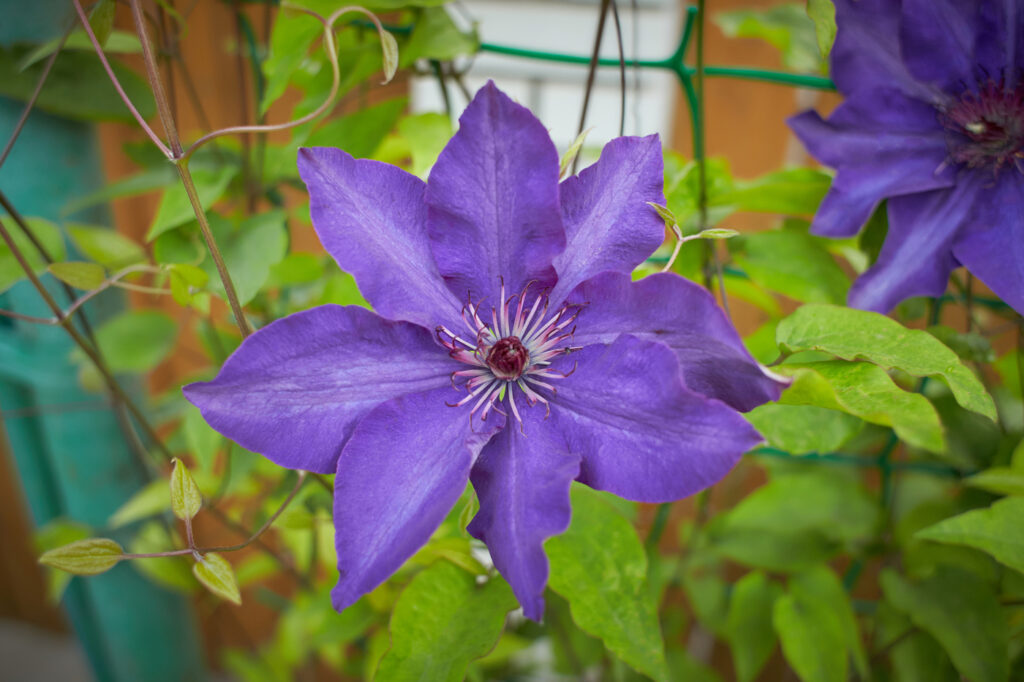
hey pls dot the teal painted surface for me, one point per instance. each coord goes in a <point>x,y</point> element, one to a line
<point>69,451</point>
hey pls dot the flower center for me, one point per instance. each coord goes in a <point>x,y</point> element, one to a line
<point>985,128</point>
<point>512,353</point>
<point>507,358</point>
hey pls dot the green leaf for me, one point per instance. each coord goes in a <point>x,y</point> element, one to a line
<point>132,185</point>
<point>599,566</point>
<point>389,55</point>
<point>78,87</point>
<point>426,135</point>
<point>821,587</point>
<point>48,235</point>
<point>79,274</point>
<point>185,496</point>
<point>290,40</point>
<point>802,429</point>
<point>249,251</point>
<point>868,392</point>
<point>152,499</point>
<point>794,264</point>
<point>53,534</point>
<point>830,503</point>
<point>84,557</point>
<point>998,530</point>
<point>823,14</point>
<point>751,637</point>
<point>565,166</point>
<point>792,192</point>
<point>175,208</point>
<point>105,246</point>
<point>811,640</point>
<point>862,335</point>
<point>787,27</point>
<point>101,20</point>
<point>201,440</point>
<point>999,480</point>
<point>135,341</point>
<point>216,575</point>
<point>360,133</point>
<point>118,42</point>
<point>435,36</point>
<point>962,613</point>
<point>442,621</point>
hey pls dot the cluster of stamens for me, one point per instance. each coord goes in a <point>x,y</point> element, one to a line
<point>514,350</point>
<point>986,127</point>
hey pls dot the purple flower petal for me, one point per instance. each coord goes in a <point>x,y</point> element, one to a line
<point>866,52</point>
<point>294,390</point>
<point>642,434</point>
<point>522,479</point>
<point>669,309</point>
<point>405,466</point>
<point>916,258</point>
<point>492,200</point>
<point>937,40</point>
<point>999,45</point>
<point>883,146</point>
<point>371,218</point>
<point>608,223</point>
<point>992,245</point>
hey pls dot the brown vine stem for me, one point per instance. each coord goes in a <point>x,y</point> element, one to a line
<point>117,84</point>
<point>163,106</point>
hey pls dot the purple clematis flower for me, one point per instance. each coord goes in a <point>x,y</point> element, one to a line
<point>933,120</point>
<point>510,348</point>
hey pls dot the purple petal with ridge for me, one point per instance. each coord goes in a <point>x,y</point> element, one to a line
<point>669,309</point>
<point>916,258</point>
<point>296,389</point>
<point>608,222</point>
<point>937,41</point>
<point>999,41</point>
<point>522,479</point>
<point>882,146</point>
<point>492,200</point>
<point>866,52</point>
<point>404,468</point>
<point>371,218</point>
<point>642,434</point>
<point>992,244</point>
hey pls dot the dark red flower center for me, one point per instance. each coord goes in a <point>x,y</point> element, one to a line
<point>507,358</point>
<point>986,127</point>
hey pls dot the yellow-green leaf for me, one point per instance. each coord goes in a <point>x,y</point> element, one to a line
<point>79,274</point>
<point>85,557</point>
<point>185,496</point>
<point>216,575</point>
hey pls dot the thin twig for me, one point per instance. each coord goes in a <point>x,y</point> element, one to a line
<point>591,74</point>
<point>622,69</point>
<point>117,84</point>
<point>163,105</point>
<point>30,104</point>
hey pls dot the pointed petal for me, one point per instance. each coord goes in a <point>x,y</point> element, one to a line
<point>883,145</point>
<point>294,390</point>
<point>669,309</point>
<point>608,222</point>
<point>999,44</point>
<point>992,244</point>
<point>916,258</point>
<point>492,200</point>
<point>371,218</point>
<point>522,479</point>
<point>642,434</point>
<point>937,40</point>
<point>867,50</point>
<point>405,466</point>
